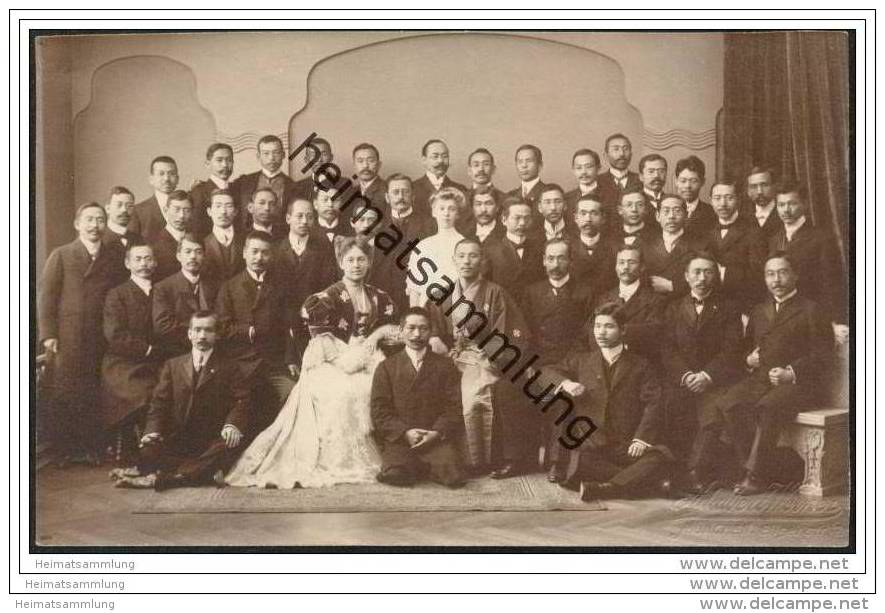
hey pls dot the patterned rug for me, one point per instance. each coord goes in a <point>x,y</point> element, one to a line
<point>527,493</point>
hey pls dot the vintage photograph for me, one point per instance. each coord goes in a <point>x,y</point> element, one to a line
<point>477,288</point>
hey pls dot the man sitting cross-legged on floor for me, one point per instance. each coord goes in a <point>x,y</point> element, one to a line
<point>619,391</point>
<point>416,410</point>
<point>197,417</point>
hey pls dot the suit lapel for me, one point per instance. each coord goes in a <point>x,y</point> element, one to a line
<point>620,369</point>
<point>786,312</point>
<point>208,372</point>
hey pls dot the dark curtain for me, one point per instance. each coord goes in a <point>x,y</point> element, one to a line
<point>787,106</point>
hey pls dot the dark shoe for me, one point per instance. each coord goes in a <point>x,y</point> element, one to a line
<point>592,490</point>
<point>694,484</point>
<point>669,490</point>
<point>456,485</point>
<point>750,486</point>
<point>507,471</point>
<point>165,482</point>
<point>396,477</point>
<point>218,479</point>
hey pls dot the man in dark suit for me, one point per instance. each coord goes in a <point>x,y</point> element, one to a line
<point>220,164</point>
<point>514,262</point>
<point>306,188</point>
<point>270,157</point>
<point>634,227</point>
<point>481,169</point>
<point>178,212</point>
<point>198,416</point>
<point>117,235</point>
<point>643,308</point>
<point>701,358</point>
<point>252,312</point>
<point>653,174</point>
<point>435,158</point>
<point>224,244</point>
<point>413,225</point>
<point>592,253</point>
<point>149,218</point>
<point>585,165</point>
<point>813,254</point>
<point>130,364</point>
<point>690,177</point>
<point>620,392</point>
<point>179,296</point>
<point>666,251</point>
<point>304,263</point>
<point>760,191</point>
<point>331,223</point>
<point>416,410</point>
<point>264,214</point>
<point>789,346</point>
<point>555,223</point>
<point>529,162</point>
<point>76,279</point>
<point>555,310</point>
<point>366,166</point>
<point>485,222</point>
<point>738,246</point>
<point>618,178</point>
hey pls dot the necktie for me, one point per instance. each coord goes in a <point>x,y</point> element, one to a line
<point>777,306</point>
<point>125,241</point>
<point>698,305</point>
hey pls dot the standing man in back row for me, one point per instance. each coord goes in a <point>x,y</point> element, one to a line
<point>270,157</point>
<point>435,158</point>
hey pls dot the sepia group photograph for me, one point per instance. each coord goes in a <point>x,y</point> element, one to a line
<point>475,289</point>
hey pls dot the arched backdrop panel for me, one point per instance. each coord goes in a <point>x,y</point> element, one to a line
<point>141,107</point>
<point>471,90</point>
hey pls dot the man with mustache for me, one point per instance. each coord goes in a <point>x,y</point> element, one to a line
<point>435,158</point>
<point>788,350</point>
<point>653,174</point>
<point>514,261</point>
<point>486,212</point>
<point>690,176</point>
<point>592,252</point>
<point>555,222</point>
<point>618,178</point>
<point>813,255</point>
<point>76,278</point>
<point>117,235</point>
<point>178,213</point>
<point>224,243</point>
<point>416,410</point>
<point>271,155</point>
<point>585,166</point>
<point>179,296</point>
<point>366,166</point>
<point>529,162</point>
<point>306,188</point>
<point>220,164</point>
<point>481,169</point>
<point>149,218</point>
<point>130,364</point>
<point>634,227</point>
<point>330,222</point>
<point>760,191</point>
<point>738,245</point>
<point>701,358</point>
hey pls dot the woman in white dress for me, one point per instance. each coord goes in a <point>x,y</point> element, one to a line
<point>447,205</point>
<point>322,435</point>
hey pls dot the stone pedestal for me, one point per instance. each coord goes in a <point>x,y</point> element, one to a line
<point>820,437</point>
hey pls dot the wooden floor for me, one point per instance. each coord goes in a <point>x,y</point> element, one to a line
<point>78,506</point>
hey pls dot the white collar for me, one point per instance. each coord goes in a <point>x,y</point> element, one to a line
<point>162,200</point>
<point>364,187</point>
<point>669,238</point>
<point>691,206</point>
<point>196,356</point>
<point>92,248</point>
<point>652,195</point>
<point>559,284</point>
<point>396,215</point>
<point>626,291</point>
<point>260,228</point>
<point>437,183</point>
<point>554,230</point>
<point>224,235</point>
<point>730,221</point>
<point>298,243</point>
<point>519,240</point>
<point>765,211</point>
<point>143,284</point>
<point>325,224</point>
<point>591,242</point>
<point>256,278</point>
<point>416,356</point>
<point>485,230</point>
<point>787,297</point>
<point>611,354</point>
<point>632,229</point>
<point>696,297</point>
<point>528,186</point>
<point>219,182</point>
<point>590,190</point>
<point>489,185</point>
<point>271,176</point>
<point>176,234</point>
<point>116,228</point>
<point>618,174</point>
<point>192,279</point>
<point>794,227</point>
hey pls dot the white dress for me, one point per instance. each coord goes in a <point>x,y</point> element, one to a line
<point>440,249</point>
<point>322,435</point>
